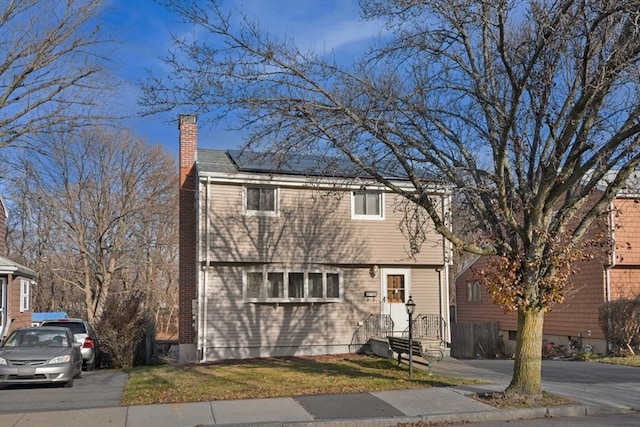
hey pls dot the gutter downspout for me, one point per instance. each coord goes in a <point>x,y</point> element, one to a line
<point>612,263</point>
<point>445,272</point>
<point>202,295</point>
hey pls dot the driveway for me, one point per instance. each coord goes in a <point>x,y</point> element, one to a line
<point>96,389</point>
<point>596,383</point>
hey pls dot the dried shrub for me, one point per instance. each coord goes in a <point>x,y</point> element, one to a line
<point>123,328</point>
<point>620,321</point>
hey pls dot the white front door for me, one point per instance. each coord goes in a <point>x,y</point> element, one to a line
<point>396,285</point>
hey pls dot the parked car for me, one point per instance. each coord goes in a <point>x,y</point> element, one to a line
<point>40,355</point>
<point>85,335</point>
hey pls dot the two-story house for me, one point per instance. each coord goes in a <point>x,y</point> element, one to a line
<point>613,273</point>
<point>280,259</point>
<point>15,285</point>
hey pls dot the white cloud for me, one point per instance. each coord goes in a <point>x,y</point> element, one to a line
<point>143,27</point>
<point>313,24</point>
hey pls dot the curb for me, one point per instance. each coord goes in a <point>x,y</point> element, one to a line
<point>498,415</point>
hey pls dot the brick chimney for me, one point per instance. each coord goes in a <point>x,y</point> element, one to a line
<point>188,145</point>
<point>187,264</point>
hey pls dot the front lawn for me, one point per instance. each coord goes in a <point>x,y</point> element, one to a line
<point>627,360</point>
<point>274,377</point>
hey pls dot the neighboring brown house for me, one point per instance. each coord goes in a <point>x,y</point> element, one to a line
<point>15,285</point>
<point>611,275</point>
<point>276,260</point>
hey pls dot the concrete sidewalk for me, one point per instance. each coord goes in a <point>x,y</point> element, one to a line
<point>387,408</point>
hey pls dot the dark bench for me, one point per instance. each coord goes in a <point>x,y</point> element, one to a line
<point>400,346</point>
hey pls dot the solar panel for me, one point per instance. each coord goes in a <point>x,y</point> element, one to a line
<point>247,161</point>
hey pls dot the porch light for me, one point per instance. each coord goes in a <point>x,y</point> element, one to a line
<point>373,271</point>
<point>410,305</point>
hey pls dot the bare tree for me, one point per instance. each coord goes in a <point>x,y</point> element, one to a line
<point>50,69</point>
<point>527,107</point>
<point>32,231</point>
<point>109,204</point>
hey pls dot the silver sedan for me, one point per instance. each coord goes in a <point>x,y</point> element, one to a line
<point>40,355</point>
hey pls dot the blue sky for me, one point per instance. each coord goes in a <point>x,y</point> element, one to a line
<point>142,29</point>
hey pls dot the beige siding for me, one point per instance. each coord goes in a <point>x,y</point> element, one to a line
<point>236,329</point>
<point>425,290</point>
<point>313,227</point>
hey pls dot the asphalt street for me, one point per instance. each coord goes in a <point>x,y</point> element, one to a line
<point>597,389</point>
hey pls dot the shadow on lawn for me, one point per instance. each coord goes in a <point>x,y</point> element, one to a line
<point>347,365</point>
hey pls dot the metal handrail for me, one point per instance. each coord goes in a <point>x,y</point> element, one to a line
<point>428,326</point>
<point>376,325</point>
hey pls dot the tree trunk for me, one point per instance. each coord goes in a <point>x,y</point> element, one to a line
<point>527,369</point>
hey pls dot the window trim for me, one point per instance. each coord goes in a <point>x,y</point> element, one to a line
<point>265,271</point>
<point>3,302</point>
<point>24,295</point>
<point>374,217</point>
<point>474,291</point>
<point>254,212</point>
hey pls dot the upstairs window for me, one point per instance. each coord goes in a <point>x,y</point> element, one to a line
<point>260,200</point>
<point>367,205</point>
<point>474,291</point>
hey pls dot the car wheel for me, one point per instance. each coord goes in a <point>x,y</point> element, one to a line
<point>69,383</point>
<point>91,366</point>
<point>79,374</point>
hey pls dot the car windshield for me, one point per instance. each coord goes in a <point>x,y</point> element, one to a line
<point>35,338</point>
<point>76,327</point>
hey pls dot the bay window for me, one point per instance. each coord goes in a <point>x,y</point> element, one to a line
<point>272,285</point>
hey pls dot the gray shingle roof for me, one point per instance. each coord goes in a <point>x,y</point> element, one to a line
<point>8,266</point>
<point>215,161</point>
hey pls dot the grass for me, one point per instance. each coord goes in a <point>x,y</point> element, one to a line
<point>274,377</point>
<point>296,376</point>
<point>627,360</point>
